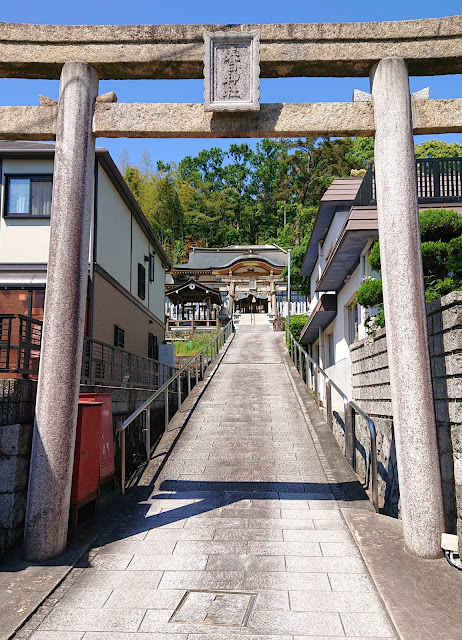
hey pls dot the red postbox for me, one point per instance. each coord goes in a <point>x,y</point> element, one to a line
<point>85,476</point>
<point>106,464</point>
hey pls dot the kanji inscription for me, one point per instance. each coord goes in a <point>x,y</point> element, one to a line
<point>231,71</point>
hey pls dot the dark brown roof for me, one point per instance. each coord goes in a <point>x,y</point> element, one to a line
<point>342,189</point>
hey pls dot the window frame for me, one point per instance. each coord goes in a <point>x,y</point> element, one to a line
<point>330,350</point>
<point>119,337</point>
<point>153,346</point>
<point>141,281</point>
<point>353,323</point>
<point>40,177</point>
<point>152,267</point>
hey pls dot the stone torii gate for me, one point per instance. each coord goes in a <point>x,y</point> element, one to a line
<point>80,55</point>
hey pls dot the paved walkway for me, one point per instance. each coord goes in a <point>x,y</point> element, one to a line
<point>243,506</point>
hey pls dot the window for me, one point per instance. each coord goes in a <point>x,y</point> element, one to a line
<point>152,260</point>
<point>28,196</point>
<point>153,351</point>
<point>119,337</point>
<point>141,281</point>
<point>330,350</point>
<point>28,302</point>
<point>352,323</point>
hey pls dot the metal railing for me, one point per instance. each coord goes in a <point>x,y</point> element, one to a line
<point>310,373</point>
<point>191,324</point>
<point>438,180</point>
<point>105,364</point>
<point>102,364</point>
<point>195,368</point>
<point>20,338</point>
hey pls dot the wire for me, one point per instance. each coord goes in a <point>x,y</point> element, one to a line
<point>449,555</point>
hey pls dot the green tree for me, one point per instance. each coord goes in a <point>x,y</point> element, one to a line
<point>438,149</point>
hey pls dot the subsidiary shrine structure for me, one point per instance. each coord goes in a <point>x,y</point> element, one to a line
<point>247,276</point>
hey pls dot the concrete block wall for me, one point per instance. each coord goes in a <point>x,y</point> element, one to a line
<point>371,390</point>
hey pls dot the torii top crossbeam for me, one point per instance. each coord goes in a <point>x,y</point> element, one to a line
<point>430,47</point>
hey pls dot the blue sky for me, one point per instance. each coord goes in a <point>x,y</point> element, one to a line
<point>16,91</point>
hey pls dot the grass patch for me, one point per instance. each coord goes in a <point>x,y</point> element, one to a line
<point>193,342</point>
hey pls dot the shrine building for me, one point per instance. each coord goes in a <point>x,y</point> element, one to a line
<point>247,277</point>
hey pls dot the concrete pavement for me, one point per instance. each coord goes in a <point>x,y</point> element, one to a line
<point>240,536</point>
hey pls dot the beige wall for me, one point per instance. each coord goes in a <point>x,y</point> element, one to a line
<point>120,245</point>
<point>113,231</point>
<point>112,307</point>
<point>22,239</point>
<point>117,227</point>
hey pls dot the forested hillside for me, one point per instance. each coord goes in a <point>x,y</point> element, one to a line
<point>249,196</point>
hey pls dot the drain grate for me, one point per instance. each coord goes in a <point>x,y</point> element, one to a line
<point>220,608</point>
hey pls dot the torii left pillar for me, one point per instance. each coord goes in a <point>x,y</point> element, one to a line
<point>50,475</point>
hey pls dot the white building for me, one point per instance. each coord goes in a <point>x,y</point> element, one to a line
<point>126,267</point>
<point>336,261</point>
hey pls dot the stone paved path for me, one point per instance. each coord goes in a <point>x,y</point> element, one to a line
<point>242,505</point>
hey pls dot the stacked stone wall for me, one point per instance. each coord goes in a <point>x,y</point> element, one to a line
<point>371,390</point>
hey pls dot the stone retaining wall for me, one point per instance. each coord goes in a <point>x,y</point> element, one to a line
<point>371,390</point>
<point>17,406</point>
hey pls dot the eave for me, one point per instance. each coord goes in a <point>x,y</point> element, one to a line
<point>321,317</point>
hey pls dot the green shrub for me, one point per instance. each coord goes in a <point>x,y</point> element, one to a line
<point>374,257</point>
<point>441,236</point>
<point>296,325</point>
<point>440,224</point>
<point>370,293</point>
<point>454,263</point>
<point>435,255</point>
<point>439,288</point>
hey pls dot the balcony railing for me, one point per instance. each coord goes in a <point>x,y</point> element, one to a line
<point>20,338</point>
<point>191,324</point>
<point>108,365</point>
<point>102,364</point>
<point>438,180</point>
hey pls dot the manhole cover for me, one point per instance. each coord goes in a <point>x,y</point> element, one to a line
<point>221,608</point>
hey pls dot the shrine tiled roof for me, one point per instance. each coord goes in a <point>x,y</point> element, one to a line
<point>219,258</point>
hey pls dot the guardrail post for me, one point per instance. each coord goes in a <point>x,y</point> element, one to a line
<point>349,442</point>
<point>316,384</point>
<point>148,433</point>
<point>179,391</point>
<point>166,409</point>
<point>90,363</point>
<point>329,403</point>
<point>122,461</point>
<point>307,372</point>
<point>353,437</point>
<point>197,369</point>
<point>202,365</point>
<point>300,364</point>
<point>374,470</point>
<point>189,379</point>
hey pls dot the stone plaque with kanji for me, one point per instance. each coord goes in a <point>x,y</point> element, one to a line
<point>232,71</point>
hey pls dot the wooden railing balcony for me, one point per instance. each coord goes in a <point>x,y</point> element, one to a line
<point>438,180</point>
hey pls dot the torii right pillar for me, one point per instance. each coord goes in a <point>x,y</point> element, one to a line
<point>404,304</point>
